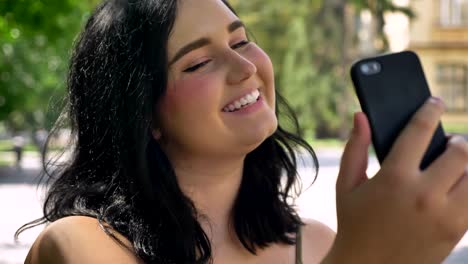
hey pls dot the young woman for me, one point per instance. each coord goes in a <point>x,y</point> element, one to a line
<point>178,157</point>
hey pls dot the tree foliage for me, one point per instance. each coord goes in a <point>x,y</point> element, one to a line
<point>35,40</point>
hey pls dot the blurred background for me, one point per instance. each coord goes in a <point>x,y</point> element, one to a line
<point>312,44</point>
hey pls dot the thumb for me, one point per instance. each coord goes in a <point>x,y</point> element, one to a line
<point>355,156</point>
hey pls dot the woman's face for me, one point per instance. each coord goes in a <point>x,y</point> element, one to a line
<point>220,97</point>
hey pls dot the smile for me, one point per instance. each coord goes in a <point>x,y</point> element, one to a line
<point>245,101</point>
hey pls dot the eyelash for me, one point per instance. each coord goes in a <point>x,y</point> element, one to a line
<point>196,67</point>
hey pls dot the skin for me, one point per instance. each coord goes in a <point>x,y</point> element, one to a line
<point>401,215</point>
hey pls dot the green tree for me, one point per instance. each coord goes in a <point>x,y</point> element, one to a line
<point>35,40</point>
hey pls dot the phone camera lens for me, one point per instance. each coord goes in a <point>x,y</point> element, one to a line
<point>365,68</point>
<point>370,68</point>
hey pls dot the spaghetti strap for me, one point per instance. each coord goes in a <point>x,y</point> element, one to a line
<point>299,246</point>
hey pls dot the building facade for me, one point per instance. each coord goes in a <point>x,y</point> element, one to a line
<point>439,34</point>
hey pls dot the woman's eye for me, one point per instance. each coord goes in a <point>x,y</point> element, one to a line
<point>197,66</point>
<point>240,44</point>
<point>200,65</point>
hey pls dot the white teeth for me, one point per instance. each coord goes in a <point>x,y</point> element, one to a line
<point>244,101</point>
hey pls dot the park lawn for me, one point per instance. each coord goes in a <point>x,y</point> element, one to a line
<point>7,145</point>
<point>6,163</point>
<point>456,128</point>
<point>333,144</point>
<point>326,143</point>
<point>450,128</point>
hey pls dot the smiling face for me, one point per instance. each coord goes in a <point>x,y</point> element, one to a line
<point>220,98</point>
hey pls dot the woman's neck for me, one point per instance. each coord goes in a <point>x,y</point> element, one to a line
<point>213,186</point>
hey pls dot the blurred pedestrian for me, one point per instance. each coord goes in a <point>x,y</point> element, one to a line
<point>40,138</point>
<point>18,147</point>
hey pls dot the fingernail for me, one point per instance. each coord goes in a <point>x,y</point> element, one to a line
<point>456,139</point>
<point>436,100</point>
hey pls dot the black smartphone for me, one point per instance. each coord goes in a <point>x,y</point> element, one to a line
<point>390,89</point>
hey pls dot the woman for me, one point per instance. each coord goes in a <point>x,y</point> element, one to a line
<point>179,157</point>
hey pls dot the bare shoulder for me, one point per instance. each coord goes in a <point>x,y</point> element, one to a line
<point>79,239</point>
<point>317,239</point>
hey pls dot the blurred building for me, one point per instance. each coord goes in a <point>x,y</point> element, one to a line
<point>439,34</point>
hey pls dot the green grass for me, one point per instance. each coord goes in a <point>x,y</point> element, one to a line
<point>5,163</point>
<point>7,145</point>
<point>6,158</point>
<point>326,143</point>
<point>456,128</point>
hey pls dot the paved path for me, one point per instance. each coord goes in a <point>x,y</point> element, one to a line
<point>19,201</point>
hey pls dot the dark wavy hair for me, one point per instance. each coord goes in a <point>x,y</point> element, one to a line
<point>119,174</point>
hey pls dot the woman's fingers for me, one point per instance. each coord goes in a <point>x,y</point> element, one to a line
<point>459,192</point>
<point>449,167</point>
<point>411,145</point>
<point>355,156</point>
<point>396,210</point>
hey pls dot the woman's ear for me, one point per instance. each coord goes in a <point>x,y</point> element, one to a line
<point>156,134</point>
<point>155,127</point>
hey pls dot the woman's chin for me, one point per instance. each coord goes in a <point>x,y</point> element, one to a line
<point>251,139</point>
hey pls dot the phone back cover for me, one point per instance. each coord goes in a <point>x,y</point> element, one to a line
<point>391,97</point>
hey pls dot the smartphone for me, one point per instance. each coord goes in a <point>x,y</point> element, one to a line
<point>390,89</point>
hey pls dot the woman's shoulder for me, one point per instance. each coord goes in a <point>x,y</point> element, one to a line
<point>317,239</point>
<point>79,239</point>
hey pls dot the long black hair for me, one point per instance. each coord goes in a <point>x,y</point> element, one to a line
<point>118,173</point>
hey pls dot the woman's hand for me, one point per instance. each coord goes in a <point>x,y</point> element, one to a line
<point>401,215</point>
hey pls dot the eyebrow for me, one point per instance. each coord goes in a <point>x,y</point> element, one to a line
<point>203,42</point>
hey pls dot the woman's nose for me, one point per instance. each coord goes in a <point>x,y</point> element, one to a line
<point>240,68</point>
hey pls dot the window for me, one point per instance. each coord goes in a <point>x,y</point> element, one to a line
<point>453,13</point>
<point>453,82</point>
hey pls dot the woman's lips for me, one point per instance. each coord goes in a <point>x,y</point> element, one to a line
<point>242,101</point>
<point>251,108</point>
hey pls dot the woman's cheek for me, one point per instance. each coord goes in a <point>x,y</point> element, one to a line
<point>188,94</point>
<point>265,71</point>
<point>262,62</point>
